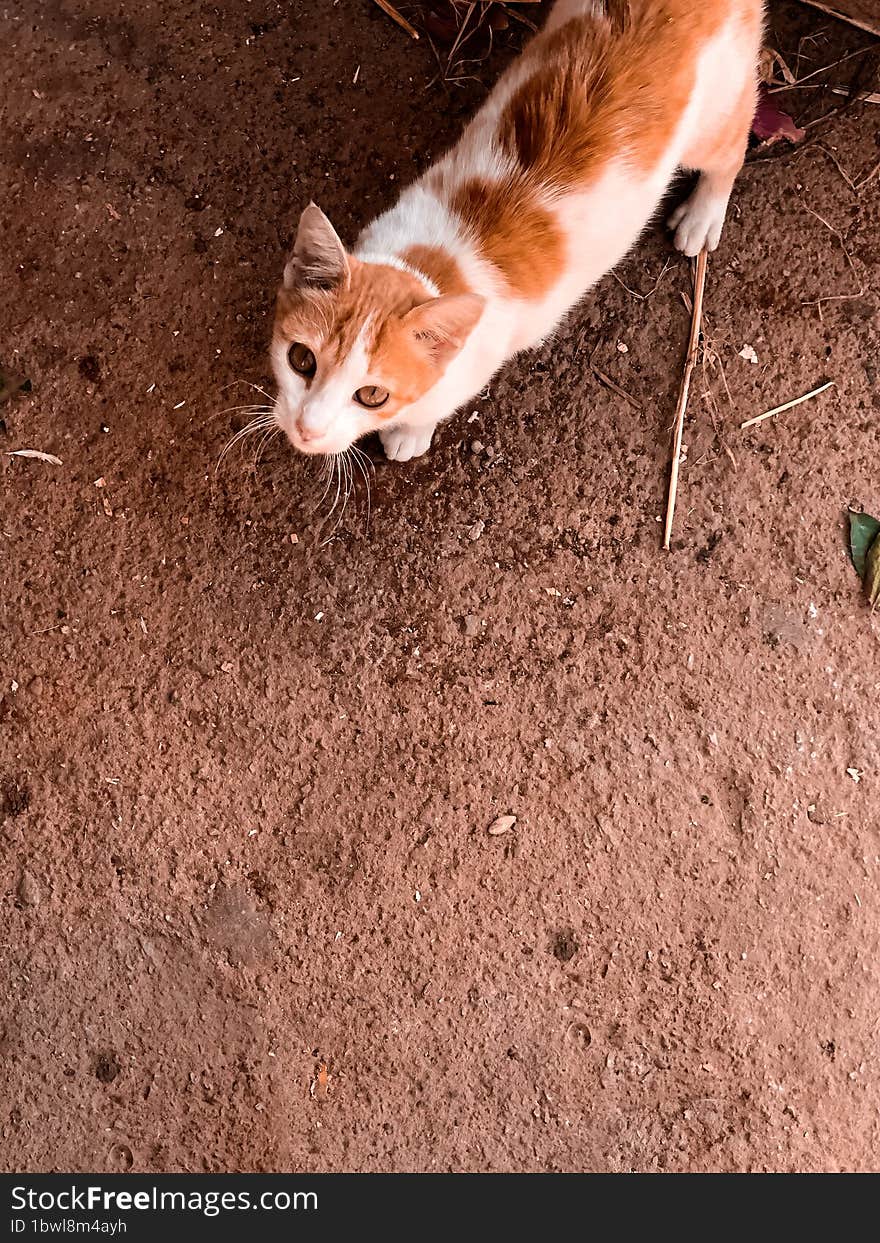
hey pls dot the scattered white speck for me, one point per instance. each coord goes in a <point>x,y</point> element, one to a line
<point>812,610</point>
<point>318,616</point>
<point>179,404</point>
<point>748,353</point>
<point>855,773</point>
<point>418,895</point>
<point>218,232</point>
<point>622,347</point>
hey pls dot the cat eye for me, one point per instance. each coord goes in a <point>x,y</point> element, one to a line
<point>302,360</point>
<point>371,396</point>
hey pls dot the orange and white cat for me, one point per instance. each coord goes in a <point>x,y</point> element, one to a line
<point>549,186</point>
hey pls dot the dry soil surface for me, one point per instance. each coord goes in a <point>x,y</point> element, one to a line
<point>252,916</point>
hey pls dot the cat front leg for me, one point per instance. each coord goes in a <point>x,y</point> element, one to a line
<point>405,441</point>
<point>719,155</point>
<point>698,221</point>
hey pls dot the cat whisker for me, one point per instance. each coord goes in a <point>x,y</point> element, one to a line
<point>358,457</point>
<point>249,384</point>
<point>265,440</point>
<point>254,409</point>
<point>259,424</point>
<point>327,471</point>
<point>343,491</point>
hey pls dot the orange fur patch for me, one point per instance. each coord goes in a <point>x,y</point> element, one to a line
<point>438,265</point>
<point>407,371</point>
<point>514,232</point>
<point>333,319</point>
<point>606,85</point>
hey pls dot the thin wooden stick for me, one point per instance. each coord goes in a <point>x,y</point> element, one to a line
<point>859,16</point>
<point>396,17</point>
<point>690,363</point>
<point>788,405</point>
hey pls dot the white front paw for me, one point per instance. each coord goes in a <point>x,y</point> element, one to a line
<point>403,442</point>
<point>698,222</point>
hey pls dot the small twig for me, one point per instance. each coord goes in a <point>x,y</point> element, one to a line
<point>788,405</point>
<point>861,97</point>
<point>397,17</point>
<point>826,116</point>
<point>713,415</point>
<point>461,31</point>
<point>820,146</point>
<point>787,86</point>
<point>690,363</point>
<point>518,16</point>
<point>615,387</point>
<point>643,297</point>
<point>869,176</point>
<point>834,11</point>
<point>837,297</point>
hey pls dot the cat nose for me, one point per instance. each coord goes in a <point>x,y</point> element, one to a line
<point>305,432</point>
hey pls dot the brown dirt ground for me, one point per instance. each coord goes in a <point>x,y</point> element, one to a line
<point>246,783</point>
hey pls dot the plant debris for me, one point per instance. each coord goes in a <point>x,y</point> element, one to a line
<point>864,544</point>
<point>38,454</point>
<point>397,17</point>
<point>770,124</point>
<point>690,362</point>
<point>320,1085</point>
<point>788,405</point>
<point>501,824</point>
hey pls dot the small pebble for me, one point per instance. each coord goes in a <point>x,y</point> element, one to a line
<point>28,890</point>
<point>477,446</point>
<point>471,626</point>
<point>477,529</point>
<point>502,824</point>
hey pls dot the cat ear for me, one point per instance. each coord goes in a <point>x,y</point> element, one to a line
<point>318,260</point>
<point>442,325</point>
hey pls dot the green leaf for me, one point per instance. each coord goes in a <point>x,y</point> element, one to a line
<point>871,576</point>
<point>863,531</point>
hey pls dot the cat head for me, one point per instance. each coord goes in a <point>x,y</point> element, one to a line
<point>356,343</point>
